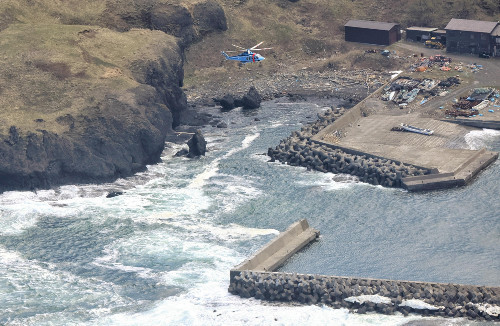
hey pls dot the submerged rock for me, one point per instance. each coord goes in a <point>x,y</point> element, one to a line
<point>114,194</point>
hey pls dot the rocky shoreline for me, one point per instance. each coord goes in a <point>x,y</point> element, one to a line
<point>98,100</point>
<point>351,85</point>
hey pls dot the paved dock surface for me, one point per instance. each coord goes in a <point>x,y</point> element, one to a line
<point>444,150</point>
<point>366,129</point>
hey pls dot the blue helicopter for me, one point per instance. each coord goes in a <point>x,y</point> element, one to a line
<point>247,55</point>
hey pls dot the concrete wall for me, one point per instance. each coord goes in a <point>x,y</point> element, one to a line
<point>436,299</point>
<point>254,278</point>
<point>460,177</point>
<point>276,252</point>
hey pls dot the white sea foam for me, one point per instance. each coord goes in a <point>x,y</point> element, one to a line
<point>477,139</point>
<point>212,169</point>
<point>20,210</point>
<point>419,304</point>
<point>328,181</point>
<point>369,298</point>
<point>228,233</point>
<point>27,284</point>
<point>491,310</point>
<point>210,304</point>
<point>235,190</point>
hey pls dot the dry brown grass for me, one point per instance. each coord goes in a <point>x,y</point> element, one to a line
<point>47,71</point>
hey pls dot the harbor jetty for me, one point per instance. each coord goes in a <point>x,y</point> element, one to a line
<point>361,141</point>
<point>257,278</point>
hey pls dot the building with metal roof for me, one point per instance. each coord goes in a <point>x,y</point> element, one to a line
<point>372,32</point>
<point>419,34</point>
<point>470,36</point>
<point>468,25</point>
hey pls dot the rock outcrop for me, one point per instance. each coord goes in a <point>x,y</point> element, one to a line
<point>95,106</point>
<point>197,145</point>
<point>189,22</point>
<point>92,104</point>
<point>251,100</point>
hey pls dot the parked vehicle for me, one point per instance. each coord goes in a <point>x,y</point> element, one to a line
<point>484,55</point>
<point>434,43</point>
<point>385,53</point>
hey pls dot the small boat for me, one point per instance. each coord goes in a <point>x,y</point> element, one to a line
<point>422,131</point>
<point>410,96</point>
<point>388,96</point>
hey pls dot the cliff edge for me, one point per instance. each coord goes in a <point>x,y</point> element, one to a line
<point>91,95</point>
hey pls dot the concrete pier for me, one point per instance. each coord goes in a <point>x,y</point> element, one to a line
<point>365,130</point>
<point>254,278</point>
<point>276,252</point>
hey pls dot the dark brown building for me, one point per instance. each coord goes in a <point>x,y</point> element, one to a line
<point>372,32</point>
<point>470,36</point>
<point>495,41</point>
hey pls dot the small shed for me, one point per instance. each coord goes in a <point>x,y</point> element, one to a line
<point>372,32</point>
<point>440,35</point>
<point>419,34</point>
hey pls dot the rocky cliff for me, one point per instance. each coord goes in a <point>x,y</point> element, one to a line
<point>87,103</point>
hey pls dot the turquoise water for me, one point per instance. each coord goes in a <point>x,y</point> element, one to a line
<point>161,253</point>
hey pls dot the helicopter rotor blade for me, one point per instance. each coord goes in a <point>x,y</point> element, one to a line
<point>231,51</point>
<point>239,47</point>
<point>255,46</point>
<point>261,49</point>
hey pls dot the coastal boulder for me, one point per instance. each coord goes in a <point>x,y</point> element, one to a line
<point>251,100</point>
<point>197,145</point>
<point>227,102</point>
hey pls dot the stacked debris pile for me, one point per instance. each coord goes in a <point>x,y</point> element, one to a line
<point>463,108</point>
<point>471,106</point>
<point>299,150</point>
<point>424,63</point>
<point>402,91</point>
<point>481,94</point>
<point>449,82</point>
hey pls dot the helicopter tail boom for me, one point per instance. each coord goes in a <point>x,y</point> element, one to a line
<point>225,55</point>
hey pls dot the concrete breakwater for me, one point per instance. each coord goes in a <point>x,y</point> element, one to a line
<point>299,150</point>
<point>255,277</point>
<point>363,295</point>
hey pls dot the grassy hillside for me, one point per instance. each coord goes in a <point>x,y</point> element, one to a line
<point>50,70</point>
<point>309,33</point>
<point>302,33</point>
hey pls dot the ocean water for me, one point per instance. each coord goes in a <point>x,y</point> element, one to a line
<point>160,254</point>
